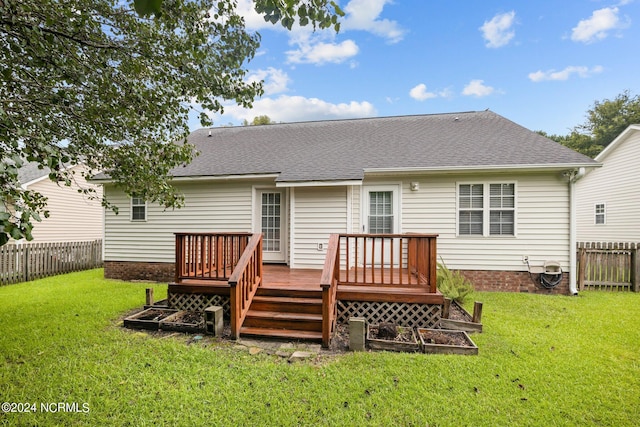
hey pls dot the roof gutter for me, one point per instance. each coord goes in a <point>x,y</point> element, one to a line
<point>202,178</point>
<point>483,168</point>
<point>574,176</point>
<point>286,184</point>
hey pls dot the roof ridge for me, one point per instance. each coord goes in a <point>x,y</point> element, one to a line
<point>351,119</point>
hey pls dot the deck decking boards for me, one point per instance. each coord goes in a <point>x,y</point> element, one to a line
<point>280,278</point>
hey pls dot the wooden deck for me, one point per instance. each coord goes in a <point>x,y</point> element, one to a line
<point>276,301</point>
<point>283,277</point>
<point>295,280</point>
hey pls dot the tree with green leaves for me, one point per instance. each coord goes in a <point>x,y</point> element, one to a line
<point>608,118</point>
<point>605,121</point>
<point>258,121</point>
<point>111,84</point>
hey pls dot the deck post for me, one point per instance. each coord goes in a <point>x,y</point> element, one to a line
<point>433,260</point>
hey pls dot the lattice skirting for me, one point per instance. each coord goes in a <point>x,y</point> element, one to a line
<point>400,313</point>
<point>198,302</point>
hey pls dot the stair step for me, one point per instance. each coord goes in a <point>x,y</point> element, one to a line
<point>286,291</point>
<point>281,333</point>
<point>287,304</point>
<point>280,315</point>
<point>283,320</point>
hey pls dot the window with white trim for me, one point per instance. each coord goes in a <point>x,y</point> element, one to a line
<point>138,208</point>
<point>502,209</point>
<point>486,209</point>
<point>380,212</point>
<point>471,206</point>
<point>600,214</point>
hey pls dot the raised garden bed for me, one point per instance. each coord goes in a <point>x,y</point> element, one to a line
<point>183,321</point>
<point>442,341</point>
<point>460,320</point>
<point>148,319</point>
<point>406,339</point>
<point>164,303</point>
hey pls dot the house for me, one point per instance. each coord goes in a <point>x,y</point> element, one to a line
<point>72,216</point>
<point>496,194</point>
<point>608,208</point>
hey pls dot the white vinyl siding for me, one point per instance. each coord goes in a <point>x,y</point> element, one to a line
<point>319,212</point>
<point>209,206</point>
<point>72,215</point>
<point>616,185</point>
<point>542,204</point>
<point>542,221</point>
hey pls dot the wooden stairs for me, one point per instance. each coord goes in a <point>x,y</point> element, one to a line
<point>277,311</point>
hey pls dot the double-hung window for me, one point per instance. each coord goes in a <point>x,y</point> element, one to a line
<point>471,209</point>
<point>600,214</point>
<point>486,209</point>
<point>502,209</point>
<point>138,208</point>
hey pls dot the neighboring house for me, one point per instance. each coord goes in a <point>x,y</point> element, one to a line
<point>608,198</point>
<point>72,216</point>
<point>495,193</point>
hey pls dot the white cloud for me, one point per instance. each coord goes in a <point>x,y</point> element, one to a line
<point>319,47</point>
<point>598,26</point>
<point>275,80</point>
<point>297,108</point>
<point>498,32</point>
<point>477,88</point>
<point>420,93</point>
<point>365,15</point>
<point>321,53</point>
<point>581,71</point>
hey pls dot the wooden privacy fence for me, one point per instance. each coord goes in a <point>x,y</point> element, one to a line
<point>609,266</point>
<point>22,262</point>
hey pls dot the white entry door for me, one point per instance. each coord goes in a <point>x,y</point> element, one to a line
<point>381,206</point>
<point>271,222</point>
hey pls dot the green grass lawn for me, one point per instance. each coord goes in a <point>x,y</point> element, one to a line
<point>544,360</point>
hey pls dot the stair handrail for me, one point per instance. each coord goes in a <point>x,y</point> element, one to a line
<point>244,281</point>
<point>329,285</point>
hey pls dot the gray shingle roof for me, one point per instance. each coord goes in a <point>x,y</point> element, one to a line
<point>29,172</point>
<point>343,149</point>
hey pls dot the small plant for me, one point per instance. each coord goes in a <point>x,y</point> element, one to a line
<point>452,284</point>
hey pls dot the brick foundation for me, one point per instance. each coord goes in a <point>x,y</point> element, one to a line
<point>513,281</point>
<point>152,271</point>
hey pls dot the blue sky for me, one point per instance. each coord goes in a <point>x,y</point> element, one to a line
<point>540,63</point>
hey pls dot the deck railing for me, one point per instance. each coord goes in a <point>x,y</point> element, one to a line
<point>403,260</point>
<point>329,285</point>
<point>244,281</point>
<point>208,256</point>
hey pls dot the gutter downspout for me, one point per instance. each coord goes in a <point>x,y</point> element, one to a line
<point>573,239</point>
